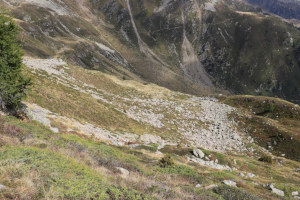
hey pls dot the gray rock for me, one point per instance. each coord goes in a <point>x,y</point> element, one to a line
<point>210,163</point>
<point>2,187</point>
<point>296,197</point>
<point>234,162</point>
<point>230,183</point>
<point>210,186</point>
<point>250,175</point>
<point>255,183</point>
<point>295,193</point>
<point>198,153</point>
<point>123,171</point>
<point>54,129</point>
<point>276,191</point>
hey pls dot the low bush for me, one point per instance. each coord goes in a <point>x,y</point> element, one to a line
<point>265,158</point>
<point>166,161</point>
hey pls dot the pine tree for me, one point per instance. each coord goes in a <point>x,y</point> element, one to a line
<point>12,82</point>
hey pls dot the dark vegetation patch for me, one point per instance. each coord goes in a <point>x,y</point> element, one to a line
<point>188,173</point>
<point>273,123</point>
<point>267,159</point>
<point>230,193</point>
<point>180,151</point>
<point>166,161</point>
<point>269,107</point>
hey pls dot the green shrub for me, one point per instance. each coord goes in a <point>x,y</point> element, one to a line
<point>12,82</point>
<point>265,158</point>
<point>166,161</point>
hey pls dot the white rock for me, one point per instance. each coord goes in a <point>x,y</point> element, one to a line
<point>295,193</point>
<point>296,197</point>
<point>210,163</point>
<point>2,187</point>
<point>54,129</point>
<point>276,191</point>
<point>198,153</point>
<point>123,171</point>
<point>210,186</point>
<point>250,175</point>
<point>230,183</point>
<point>198,185</point>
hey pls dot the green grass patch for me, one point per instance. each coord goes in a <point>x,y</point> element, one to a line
<point>182,170</point>
<point>70,180</point>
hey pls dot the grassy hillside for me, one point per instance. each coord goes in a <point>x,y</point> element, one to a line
<point>37,163</point>
<point>274,123</point>
<point>66,163</point>
<point>99,128</point>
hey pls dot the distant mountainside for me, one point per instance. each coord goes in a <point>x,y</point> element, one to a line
<point>286,8</point>
<point>193,46</point>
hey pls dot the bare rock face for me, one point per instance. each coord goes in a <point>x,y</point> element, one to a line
<point>198,153</point>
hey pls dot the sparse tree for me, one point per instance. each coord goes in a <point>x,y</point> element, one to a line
<point>12,82</point>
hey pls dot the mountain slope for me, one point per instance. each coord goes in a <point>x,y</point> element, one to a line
<point>288,8</point>
<point>113,134</point>
<point>97,128</point>
<point>190,46</point>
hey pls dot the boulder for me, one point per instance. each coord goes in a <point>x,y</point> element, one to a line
<point>2,187</point>
<point>295,193</point>
<point>250,175</point>
<point>229,183</point>
<point>123,171</point>
<point>210,186</point>
<point>276,191</point>
<point>198,153</point>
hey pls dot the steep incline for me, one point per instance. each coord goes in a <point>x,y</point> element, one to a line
<point>286,8</point>
<point>190,46</point>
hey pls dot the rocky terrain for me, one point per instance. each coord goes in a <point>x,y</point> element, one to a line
<point>123,130</point>
<point>199,121</point>
<point>134,100</point>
